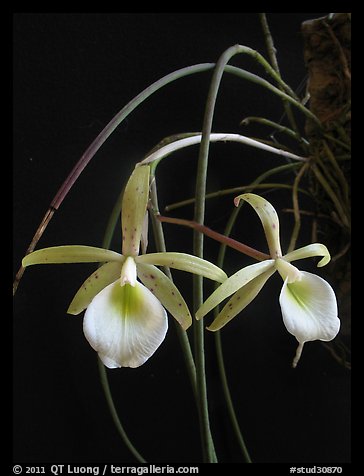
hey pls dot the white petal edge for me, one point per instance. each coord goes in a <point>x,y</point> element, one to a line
<point>125,325</point>
<point>309,309</point>
<point>232,284</point>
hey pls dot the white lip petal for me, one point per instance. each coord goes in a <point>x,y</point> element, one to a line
<point>309,308</point>
<point>125,325</point>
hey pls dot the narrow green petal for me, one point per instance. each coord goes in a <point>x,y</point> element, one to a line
<point>125,325</point>
<point>269,218</point>
<point>133,208</point>
<point>70,254</point>
<point>232,284</point>
<point>167,293</point>
<point>316,249</point>
<point>240,300</point>
<point>184,262</point>
<point>102,277</point>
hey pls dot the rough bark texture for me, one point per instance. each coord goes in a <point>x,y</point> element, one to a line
<point>327,54</point>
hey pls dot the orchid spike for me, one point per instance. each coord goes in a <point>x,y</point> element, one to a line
<point>307,301</point>
<point>125,320</point>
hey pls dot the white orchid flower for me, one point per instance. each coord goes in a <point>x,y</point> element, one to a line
<point>307,301</point>
<point>125,320</point>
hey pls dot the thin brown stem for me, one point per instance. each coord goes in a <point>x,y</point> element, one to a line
<point>236,245</point>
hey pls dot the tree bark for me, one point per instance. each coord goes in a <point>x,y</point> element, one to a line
<point>327,55</point>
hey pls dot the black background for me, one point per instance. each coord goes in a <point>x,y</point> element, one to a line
<point>72,74</point>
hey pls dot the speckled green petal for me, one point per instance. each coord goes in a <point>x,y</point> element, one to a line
<point>240,300</point>
<point>232,284</point>
<point>70,254</point>
<point>133,208</point>
<point>167,293</point>
<point>315,249</point>
<point>102,277</point>
<point>269,218</point>
<point>184,262</point>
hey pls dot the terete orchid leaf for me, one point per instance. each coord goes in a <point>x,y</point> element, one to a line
<point>125,325</point>
<point>133,209</point>
<point>167,293</point>
<point>71,254</point>
<point>102,277</point>
<point>184,262</point>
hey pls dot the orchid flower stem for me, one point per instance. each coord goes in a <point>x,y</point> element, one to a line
<point>161,247</point>
<point>236,245</point>
<point>114,414</point>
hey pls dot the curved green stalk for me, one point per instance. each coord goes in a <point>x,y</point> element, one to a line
<point>274,125</point>
<point>199,214</point>
<point>114,414</point>
<point>266,84</point>
<point>161,247</point>
<point>231,191</point>
<point>274,62</point>
<point>208,448</point>
<point>296,209</point>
